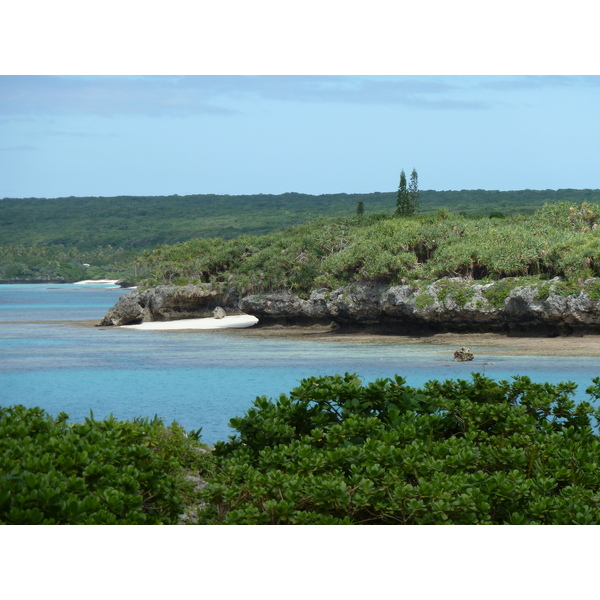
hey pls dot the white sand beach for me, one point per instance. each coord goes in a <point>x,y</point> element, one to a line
<point>231,322</point>
<point>98,281</point>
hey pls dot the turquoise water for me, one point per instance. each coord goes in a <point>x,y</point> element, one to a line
<point>49,358</point>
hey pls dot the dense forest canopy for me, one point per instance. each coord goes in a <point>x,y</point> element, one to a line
<point>140,222</point>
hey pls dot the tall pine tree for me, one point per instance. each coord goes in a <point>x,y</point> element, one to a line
<point>402,200</point>
<point>413,192</point>
<point>407,201</point>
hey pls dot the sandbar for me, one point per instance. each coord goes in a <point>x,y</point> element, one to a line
<point>488,343</point>
<point>96,281</point>
<point>491,343</point>
<point>230,322</point>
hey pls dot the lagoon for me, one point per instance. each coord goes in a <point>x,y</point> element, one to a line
<point>52,356</point>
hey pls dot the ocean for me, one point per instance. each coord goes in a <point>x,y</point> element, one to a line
<point>53,357</point>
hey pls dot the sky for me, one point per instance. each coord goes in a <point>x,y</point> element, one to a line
<point>224,134</point>
<point>250,98</point>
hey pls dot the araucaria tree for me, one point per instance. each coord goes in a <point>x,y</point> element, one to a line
<point>413,192</point>
<point>402,205</point>
<point>407,201</point>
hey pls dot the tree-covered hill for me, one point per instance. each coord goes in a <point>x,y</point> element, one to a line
<point>139,222</point>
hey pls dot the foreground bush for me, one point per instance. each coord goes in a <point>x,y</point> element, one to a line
<point>336,451</point>
<point>97,472</point>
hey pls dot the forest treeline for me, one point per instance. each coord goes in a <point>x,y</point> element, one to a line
<point>139,222</point>
<point>54,238</point>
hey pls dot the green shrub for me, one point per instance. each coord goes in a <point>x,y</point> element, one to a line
<point>96,472</point>
<point>543,292</point>
<point>497,293</point>
<point>423,301</point>
<point>592,289</point>
<point>566,288</point>
<point>336,451</point>
<point>461,292</point>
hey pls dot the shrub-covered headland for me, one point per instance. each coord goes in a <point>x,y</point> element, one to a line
<point>560,240</point>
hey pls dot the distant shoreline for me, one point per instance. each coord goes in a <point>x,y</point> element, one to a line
<point>96,282</point>
<point>61,281</point>
<point>30,281</point>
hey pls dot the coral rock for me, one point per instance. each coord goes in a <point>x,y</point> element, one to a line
<point>463,354</point>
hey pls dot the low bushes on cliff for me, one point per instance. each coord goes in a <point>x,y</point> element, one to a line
<point>335,451</point>
<point>556,241</point>
<point>96,472</point>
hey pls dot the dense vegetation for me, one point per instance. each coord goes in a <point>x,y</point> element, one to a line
<point>56,236</point>
<point>96,472</point>
<point>19,262</point>
<point>336,451</point>
<point>559,240</point>
<point>139,222</point>
<point>333,451</point>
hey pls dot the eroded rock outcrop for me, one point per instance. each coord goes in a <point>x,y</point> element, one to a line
<point>463,355</point>
<point>505,306</point>
<point>170,303</point>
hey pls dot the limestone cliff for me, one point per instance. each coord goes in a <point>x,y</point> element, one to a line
<point>505,306</point>
<point>170,303</point>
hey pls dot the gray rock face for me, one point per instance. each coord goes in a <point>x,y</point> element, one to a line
<point>463,355</point>
<point>277,306</point>
<point>128,309</point>
<point>445,305</point>
<point>219,313</point>
<point>170,303</point>
<point>504,306</point>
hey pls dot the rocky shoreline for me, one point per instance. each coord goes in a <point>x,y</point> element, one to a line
<point>452,305</point>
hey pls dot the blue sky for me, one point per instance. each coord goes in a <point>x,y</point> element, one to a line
<point>163,135</point>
